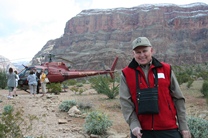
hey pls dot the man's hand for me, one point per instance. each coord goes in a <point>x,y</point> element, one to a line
<point>137,132</point>
<point>186,134</point>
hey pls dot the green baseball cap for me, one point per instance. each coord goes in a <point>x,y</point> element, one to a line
<point>140,41</point>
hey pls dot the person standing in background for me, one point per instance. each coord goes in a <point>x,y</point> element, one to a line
<point>32,82</point>
<point>151,99</point>
<point>11,82</point>
<point>15,88</point>
<point>38,80</point>
<point>42,82</point>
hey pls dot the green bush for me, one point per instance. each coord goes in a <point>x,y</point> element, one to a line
<point>85,106</point>
<point>54,88</point>
<point>3,80</point>
<point>198,127</point>
<point>113,91</point>
<point>182,77</point>
<point>204,89</point>
<point>77,89</point>
<point>190,82</point>
<point>203,74</point>
<point>66,105</point>
<point>96,83</point>
<point>74,89</point>
<point>11,121</point>
<point>207,99</point>
<point>70,82</point>
<point>8,109</point>
<point>79,84</point>
<point>97,123</point>
<point>102,86</point>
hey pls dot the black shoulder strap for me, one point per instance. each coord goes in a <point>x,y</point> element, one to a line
<point>137,79</point>
<point>155,75</point>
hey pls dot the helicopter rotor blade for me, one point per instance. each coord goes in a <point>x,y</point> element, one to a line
<point>64,59</point>
<point>24,66</point>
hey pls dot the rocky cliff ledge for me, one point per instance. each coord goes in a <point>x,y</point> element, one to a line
<point>5,64</point>
<point>179,35</point>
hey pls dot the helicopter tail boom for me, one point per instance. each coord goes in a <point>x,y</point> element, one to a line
<point>112,70</point>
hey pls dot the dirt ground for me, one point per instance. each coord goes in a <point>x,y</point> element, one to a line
<point>47,110</point>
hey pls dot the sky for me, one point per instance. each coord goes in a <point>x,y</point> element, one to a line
<point>27,25</point>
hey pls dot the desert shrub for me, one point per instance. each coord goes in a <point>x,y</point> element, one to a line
<point>190,82</point>
<point>74,89</point>
<point>64,86</point>
<point>185,72</point>
<point>79,84</point>
<point>3,80</point>
<point>198,127</point>
<point>11,121</point>
<point>77,89</point>
<point>85,106</point>
<point>82,80</point>
<point>203,74</point>
<point>182,77</point>
<point>207,99</point>
<point>8,109</point>
<point>204,89</point>
<point>66,105</point>
<point>81,91</point>
<point>96,80</point>
<point>54,88</point>
<point>102,86</point>
<point>112,91</point>
<point>198,68</point>
<point>75,81</point>
<point>70,82</point>
<point>97,123</point>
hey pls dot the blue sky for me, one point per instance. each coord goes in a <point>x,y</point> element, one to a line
<point>26,25</point>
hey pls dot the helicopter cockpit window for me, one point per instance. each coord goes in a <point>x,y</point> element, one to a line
<point>27,72</point>
<point>22,73</point>
<point>46,71</point>
<point>38,70</point>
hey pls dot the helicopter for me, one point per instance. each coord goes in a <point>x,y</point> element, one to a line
<point>57,72</point>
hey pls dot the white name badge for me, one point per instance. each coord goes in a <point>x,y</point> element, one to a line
<point>161,75</point>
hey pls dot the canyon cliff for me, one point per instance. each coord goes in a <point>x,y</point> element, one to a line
<point>178,33</point>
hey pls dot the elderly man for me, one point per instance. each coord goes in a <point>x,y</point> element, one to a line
<point>150,97</point>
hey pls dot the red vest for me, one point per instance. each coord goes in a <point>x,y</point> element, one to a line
<point>166,119</point>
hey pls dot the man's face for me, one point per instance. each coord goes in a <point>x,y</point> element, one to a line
<point>143,54</point>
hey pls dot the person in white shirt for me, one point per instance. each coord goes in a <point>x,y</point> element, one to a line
<point>15,88</point>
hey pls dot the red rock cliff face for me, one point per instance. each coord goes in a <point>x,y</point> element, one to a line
<point>179,35</point>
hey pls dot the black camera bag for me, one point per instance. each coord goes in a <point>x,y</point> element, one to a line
<point>147,98</point>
